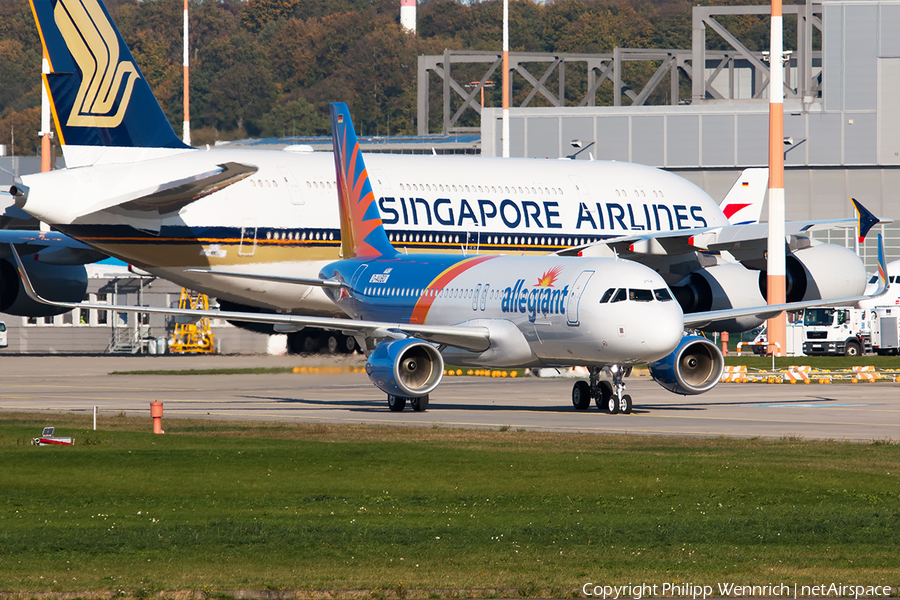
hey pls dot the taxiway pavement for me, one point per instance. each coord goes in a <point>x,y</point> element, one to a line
<point>75,384</point>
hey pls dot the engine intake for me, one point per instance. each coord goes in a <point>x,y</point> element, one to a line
<point>694,367</point>
<point>408,368</point>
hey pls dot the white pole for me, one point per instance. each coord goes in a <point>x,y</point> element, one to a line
<point>505,134</point>
<point>95,418</point>
<point>186,131</point>
<point>776,265</point>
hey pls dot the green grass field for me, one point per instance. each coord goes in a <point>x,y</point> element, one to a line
<point>433,513</point>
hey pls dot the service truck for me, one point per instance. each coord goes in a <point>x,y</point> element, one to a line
<point>837,330</point>
<point>886,329</point>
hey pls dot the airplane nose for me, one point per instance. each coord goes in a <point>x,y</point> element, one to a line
<point>656,330</point>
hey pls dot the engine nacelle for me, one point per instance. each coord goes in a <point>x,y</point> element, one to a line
<point>55,282</point>
<point>720,287</point>
<point>694,367</point>
<point>821,271</point>
<point>407,368</point>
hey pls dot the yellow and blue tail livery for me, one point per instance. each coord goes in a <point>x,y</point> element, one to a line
<point>362,231</point>
<point>98,95</point>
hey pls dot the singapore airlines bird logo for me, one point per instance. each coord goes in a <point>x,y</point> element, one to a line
<point>95,47</point>
<point>549,278</point>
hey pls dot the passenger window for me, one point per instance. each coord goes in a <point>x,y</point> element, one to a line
<point>662,295</point>
<point>620,295</point>
<point>607,295</point>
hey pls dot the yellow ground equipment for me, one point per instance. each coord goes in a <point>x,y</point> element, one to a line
<point>196,338</point>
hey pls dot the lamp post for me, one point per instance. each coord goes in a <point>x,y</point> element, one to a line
<point>487,84</point>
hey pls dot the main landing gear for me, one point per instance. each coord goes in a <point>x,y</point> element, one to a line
<point>609,396</point>
<point>398,403</point>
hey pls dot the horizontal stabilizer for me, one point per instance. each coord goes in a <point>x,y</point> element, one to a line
<point>175,195</point>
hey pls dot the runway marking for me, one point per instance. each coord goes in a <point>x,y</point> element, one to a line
<point>802,405</point>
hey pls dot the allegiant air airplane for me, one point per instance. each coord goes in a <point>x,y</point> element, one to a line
<point>134,191</point>
<point>411,312</point>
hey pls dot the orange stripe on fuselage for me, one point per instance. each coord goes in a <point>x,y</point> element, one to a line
<point>420,312</point>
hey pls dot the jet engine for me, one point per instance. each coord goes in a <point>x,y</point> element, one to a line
<point>821,271</point>
<point>694,367</point>
<point>63,283</point>
<point>407,368</point>
<point>722,286</point>
<point>814,271</point>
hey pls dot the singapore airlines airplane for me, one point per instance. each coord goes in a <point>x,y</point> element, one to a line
<point>135,192</point>
<point>412,312</point>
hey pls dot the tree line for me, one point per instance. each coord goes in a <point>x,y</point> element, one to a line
<point>263,68</point>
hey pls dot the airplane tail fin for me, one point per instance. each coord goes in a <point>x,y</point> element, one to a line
<point>98,96</point>
<point>362,232</point>
<point>865,219</point>
<point>743,203</point>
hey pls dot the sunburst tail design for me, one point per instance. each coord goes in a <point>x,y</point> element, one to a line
<point>362,232</point>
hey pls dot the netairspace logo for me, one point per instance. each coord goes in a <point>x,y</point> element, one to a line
<point>733,590</point>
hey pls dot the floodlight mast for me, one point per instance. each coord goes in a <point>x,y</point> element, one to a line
<point>775,282</point>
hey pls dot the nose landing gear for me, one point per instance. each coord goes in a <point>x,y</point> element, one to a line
<point>608,395</point>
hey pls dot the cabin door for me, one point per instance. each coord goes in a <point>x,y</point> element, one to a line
<point>575,297</point>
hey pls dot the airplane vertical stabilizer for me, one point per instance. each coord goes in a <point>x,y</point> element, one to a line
<point>743,203</point>
<point>362,232</point>
<point>98,97</point>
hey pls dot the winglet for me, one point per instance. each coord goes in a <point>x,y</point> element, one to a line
<point>865,219</point>
<point>882,268</point>
<point>362,232</point>
<point>27,285</point>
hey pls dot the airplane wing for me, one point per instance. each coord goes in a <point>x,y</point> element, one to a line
<point>50,247</point>
<point>746,242</point>
<point>701,319</point>
<point>325,283</point>
<point>476,339</point>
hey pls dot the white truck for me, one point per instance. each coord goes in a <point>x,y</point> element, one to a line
<point>836,330</point>
<point>886,329</point>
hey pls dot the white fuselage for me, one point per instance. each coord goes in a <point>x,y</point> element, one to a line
<point>540,311</point>
<point>283,219</point>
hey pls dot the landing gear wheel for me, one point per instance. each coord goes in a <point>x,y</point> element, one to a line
<point>605,392</point>
<point>419,404</point>
<point>581,395</point>
<point>625,405</point>
<point>612,405</point>
<point>332,344</point>
<point>349,345</point>
<point>396,403</point>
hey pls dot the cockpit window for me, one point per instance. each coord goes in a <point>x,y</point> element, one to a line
<point>874,279</point>
<point>620,295</point>
<point>640,295</point>
<point>607,295</point>
<point>662,295</point>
